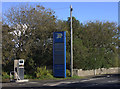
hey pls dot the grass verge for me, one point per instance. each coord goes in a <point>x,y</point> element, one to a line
<point>52,78</point>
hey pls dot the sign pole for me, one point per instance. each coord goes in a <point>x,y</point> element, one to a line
<point>71,56</point>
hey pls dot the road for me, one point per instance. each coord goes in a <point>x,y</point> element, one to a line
<point>111,81</point>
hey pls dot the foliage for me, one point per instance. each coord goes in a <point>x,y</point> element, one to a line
<point>30,66</point>
<point>24,38</point>
<point>95,46</point>
<point>26,76</point>
<point>28,34</point>
<point>42,73</point>
<point>67,73</point>
<point>5,75</point>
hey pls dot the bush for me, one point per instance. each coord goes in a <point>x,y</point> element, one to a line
<point>67,73</point>
<point>28,76</point>
<point>5,75</point>
<point>42,73</point>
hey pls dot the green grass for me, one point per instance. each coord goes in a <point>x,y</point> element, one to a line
<point>67,78</point>
<point>74,77</point>
<point>48,78</point>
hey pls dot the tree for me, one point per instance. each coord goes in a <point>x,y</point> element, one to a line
<point>33,27</point>
<point>7,48</point>
<point>95,46</point>
<point>28,33</point>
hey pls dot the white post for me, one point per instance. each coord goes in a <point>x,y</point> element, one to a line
<point>71,56</point>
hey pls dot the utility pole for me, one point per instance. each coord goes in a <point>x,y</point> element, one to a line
<point>71,56</point>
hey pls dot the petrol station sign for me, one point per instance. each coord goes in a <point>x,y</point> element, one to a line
<point>59,54</point>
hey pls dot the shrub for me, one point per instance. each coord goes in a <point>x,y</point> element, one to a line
<point>67,73</point>
<point>42,73</point>
<point>28,76</point>
<point>5,75</point>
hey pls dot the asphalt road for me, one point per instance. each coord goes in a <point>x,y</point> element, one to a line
<point>111,81</point>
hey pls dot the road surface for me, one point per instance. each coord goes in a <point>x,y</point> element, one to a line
<point>111,81</point>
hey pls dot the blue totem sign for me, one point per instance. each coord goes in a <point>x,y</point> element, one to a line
<point>59,54</point>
